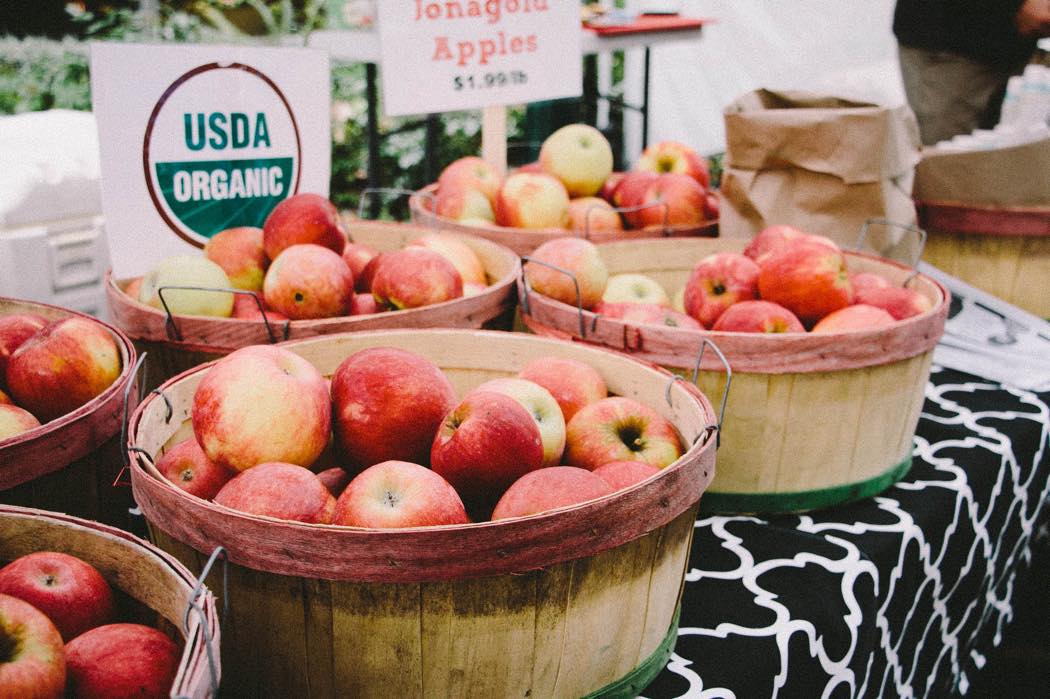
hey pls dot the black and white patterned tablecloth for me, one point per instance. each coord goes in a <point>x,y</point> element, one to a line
<point>901,595</point>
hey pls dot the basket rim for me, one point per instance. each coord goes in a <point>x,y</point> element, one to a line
<point>942,215</point>
<point>20,447</point>
<point>664,494</point>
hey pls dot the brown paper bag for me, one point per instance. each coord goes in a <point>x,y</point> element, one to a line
<point>823,164</point>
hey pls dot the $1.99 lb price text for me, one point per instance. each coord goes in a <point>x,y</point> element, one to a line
<point>489,80</point>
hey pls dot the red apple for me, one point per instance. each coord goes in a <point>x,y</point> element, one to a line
<point>486,443</point>
<point>899,302</point>
<point>363,305</point>
<point>853,318</point>
<point>674,157</point>
<point>357,256</point>
<point>580,156</point>
<point>631,190</point>
<point>262,403</point>
<point>308,281</point>
<point>33,664</point>
<point>534,166</point>
<point>471,172</point>
<point>712,206</point>
<point>247,308</point>
<point>676,200</point>
<point>303,219</point>
<point>133,289</point>
<point>581,259</point>
<point>773,238</point>
<point>71,592</point>
<point>758,317</point>
<point>62,367</point>
<point>647,313</point>
<point>572,383</point>
<point>717,282</point>
<point>620,429</point>
<point>634,288</point>
<point>335,479</point>
<point>363,284</point>
<point>6,400</point>
<point>239,251</point>
<point>807,278</point>
<point>862,281</point>
<point>14,330</point>
<point>529,200</point>
<point>548,489</point>
<point>122,661</point>
<point>609,186</point>
<point>14,421</point>
<point>588,214</point>
<point>541,405</point>
<point>186,465</point>
<point>388,404</point>
<point>461,255</point>
<point>413,277</point>
<point>464,203</point>
<point>624,474</point>
<point>280,490</point>
<point>398,494</point>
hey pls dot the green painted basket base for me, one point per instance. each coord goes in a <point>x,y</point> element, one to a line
<point>632,684</point>
<point>801,501</point>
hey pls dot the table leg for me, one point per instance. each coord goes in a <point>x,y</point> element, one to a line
<point>374,174</point>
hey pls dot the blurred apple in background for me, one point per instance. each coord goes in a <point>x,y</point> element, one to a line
<point>357,256</point>
<point>62,367</point>
<point>578,155</point>
<point>573,384</point>
<point>674,157</point>
<point>303,219</point>
<point>397,494</point>
<point>34,664</point>
<point>14,421</point>
<point>674,200</point>
<point>548,489</point>
<point>240,253</point>
<point>122,660</point>
<point>861,281</point>
<point>588,214</point>
<point>620,429</point>
<point>461,255</point>
<point>134,288</point>
<point>851,318</point>
<point>529,200</point>
<point>71,592</point>
<point>471,173</point>
<point>580,259</point>
<point>634,288</point>
<point>717,282</point>
<point>630,194</point>
<point>388,404</point>
<point>623,474</point>
<point>262,403</point>
<point>15,329</point>
<point>543,408</point>
<point>808,278</point>
<point>284,491</point>
<point>186,465</point>
<point>464,204</point>
<point>609,186</point>
<point>413,277</point>
<point>309,281</point>
<point>188,270</point>
<point>758,317</point>
<point>474,289</point>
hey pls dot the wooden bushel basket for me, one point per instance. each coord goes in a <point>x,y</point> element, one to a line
<point>151,587</point>
<point>1004,251</point>
<point>70,463</point>
<point>524,240</point>
<point>180,343</point>
<point>563,604</point>
<point>813,420</point>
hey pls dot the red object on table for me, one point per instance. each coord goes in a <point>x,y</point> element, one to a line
<point>649,23</point>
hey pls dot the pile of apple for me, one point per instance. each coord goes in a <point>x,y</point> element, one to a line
<point>572,186</point>
<point>51,368</point>
<point>300,265</point>
<point>59,635</point>
<point>387,444</point>
<point>785,281</point>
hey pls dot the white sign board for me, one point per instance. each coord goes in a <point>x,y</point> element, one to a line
<point>446,56</point>
<point>197,139</point>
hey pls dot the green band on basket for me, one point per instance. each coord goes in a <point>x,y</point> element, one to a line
<point>631,684</point>
<point>801,501</point>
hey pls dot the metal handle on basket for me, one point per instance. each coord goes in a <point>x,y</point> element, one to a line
<point>524,300</point>
<point>132,381</point>
<point>725,391</point>
<point>173,328</point>
<point>193,605</point>
<point>628,210</point>
<point>920,234</point>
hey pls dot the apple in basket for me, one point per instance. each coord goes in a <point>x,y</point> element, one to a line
<point>14,421</point>
<point>634,288</point>
<point>397,494</point>
<point>624,474</point>
<point>33,664</point>
<point>71,592</point>
<point>461,255</point>
<point>807,278</point>
<point>279,490</point>
<point>648,314</point>
<point>473,173</point>
<point>609,186</point>
<point>548,489</point>
<point>187,270</point>
<point>572,383</point>
<point>357,256</point>
<point>529,200</point>
<point>62,367</point>
<point>900,302</point>
<point>309,281</point>
<point>674,157</point>
<point>247,308</point>
<point>363,305</point>
<point>580,156</point>
<point>541,405</point>
<point>486,443</point>
<point>239,251</point>
<point>773,238</point>
<point>122,660</point>
<point>15,329</point>
<point>388,404</point>
<point>414,277</point>
<point>363,283</point>
<point>758,317</point>
<point>630,191</point>
<point>592,214</point>
<point>462,203</point>
<point>620,429</point>
<point>674,200</point>
<point>303,219</point>
<point>335,479</point>
<point>262,403</point>
<point>554,266</point>
<point>717,282</point>
<point>853,318</point>
<point>6,399</point>
<point>186,465</point>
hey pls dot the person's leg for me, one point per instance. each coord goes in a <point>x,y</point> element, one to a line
<point>950,94</point>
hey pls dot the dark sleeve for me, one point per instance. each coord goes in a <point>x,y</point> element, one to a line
<point>980,29</point>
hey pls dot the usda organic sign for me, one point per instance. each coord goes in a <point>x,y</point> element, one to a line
<point>195,140</point>
<point>209,170</point>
